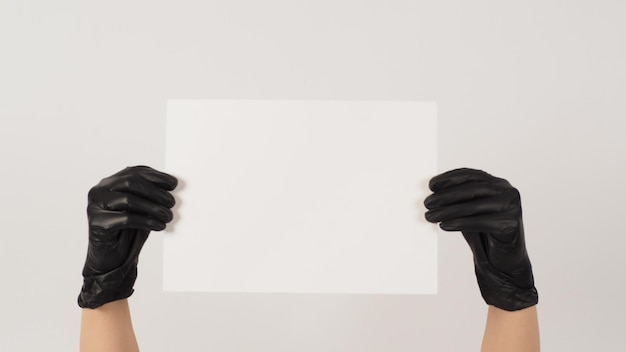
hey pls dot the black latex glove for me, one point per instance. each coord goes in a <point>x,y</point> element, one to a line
<point>122,210</point>
<point>488,211</point>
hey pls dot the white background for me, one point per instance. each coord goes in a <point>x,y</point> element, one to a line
<point>531,91</point>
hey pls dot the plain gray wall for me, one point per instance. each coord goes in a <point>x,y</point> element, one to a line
<point>532,91</point>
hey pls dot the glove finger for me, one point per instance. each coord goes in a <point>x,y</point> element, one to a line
<point>458,176</point>
<point>102,199</point>
<point>161,179</point>
<point>502,223</point>
<point>134,204</point>
<point>139,186</point>
<point>113,221</point>
<point>490,205</point>
<point>462,193</point>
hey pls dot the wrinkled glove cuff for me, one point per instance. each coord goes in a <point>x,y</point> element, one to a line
<point>511,300</point>
<point>500,290</point>
<point>98,290</point>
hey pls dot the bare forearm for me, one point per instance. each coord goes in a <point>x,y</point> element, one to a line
<point>108,328</point>
<point>516,331</point>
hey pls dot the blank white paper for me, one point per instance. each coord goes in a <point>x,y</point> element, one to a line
<point>301,196</point>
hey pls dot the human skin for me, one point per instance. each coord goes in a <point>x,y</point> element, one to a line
<point>516,331</point>
<point>108,328</point>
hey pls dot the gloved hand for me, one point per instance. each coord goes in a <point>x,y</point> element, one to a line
<point>488,211</point>
<point>122,210</point>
